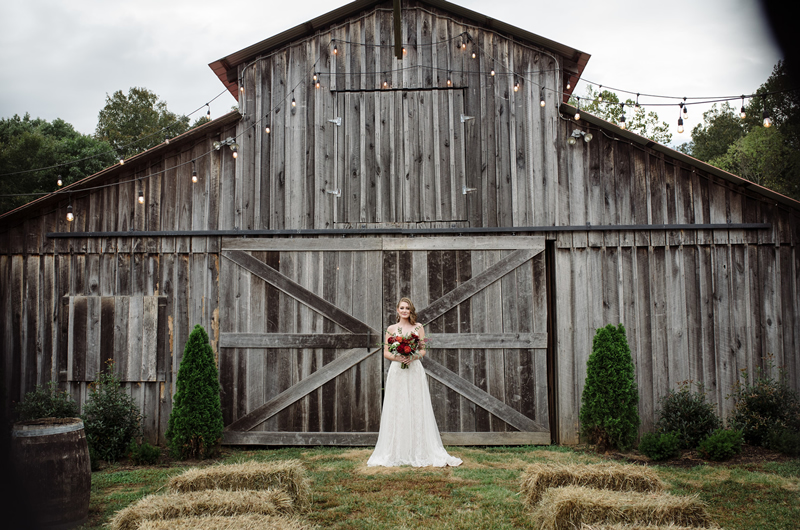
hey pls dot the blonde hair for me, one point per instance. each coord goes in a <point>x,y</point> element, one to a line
<point>412,317</point>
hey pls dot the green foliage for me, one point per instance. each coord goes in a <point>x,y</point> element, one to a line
<point>111,419</point>
<point>137,121</point>
<point>660,446</point>
<point>721,444</point>
<point>195,424</point>
<point>143,453</point>
<point>606,105</point>
<point>27,144</point>
<point>769,157</point>
<point>46,402</point>
<point>609,416</point>
<point>766,404</point>
<point>784,440</point>
<point>687,414</point>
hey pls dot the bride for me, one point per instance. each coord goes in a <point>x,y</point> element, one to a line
<point>408,433</point>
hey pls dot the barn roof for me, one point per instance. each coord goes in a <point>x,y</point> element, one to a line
<point>112,171</point>
<point>672,153</point>
<point>227,71</point>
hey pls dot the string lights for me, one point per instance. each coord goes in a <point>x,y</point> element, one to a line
<point>70,217</point>
<point>742,113</point>
<point>194,173</point>
<point>141,192</point>
<point>59,181</point>
<point>578,109</point>
<point>767,121</point>
<point>622,117</point>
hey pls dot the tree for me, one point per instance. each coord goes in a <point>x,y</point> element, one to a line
<point>606,105</point>
<point>609,415</point>
<point>27,144</point>
<point>137,121</point>
<point>721,127</point>
<point>195,424</point>
<point>766,156</point>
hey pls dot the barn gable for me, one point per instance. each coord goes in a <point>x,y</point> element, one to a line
<point>291,255</point>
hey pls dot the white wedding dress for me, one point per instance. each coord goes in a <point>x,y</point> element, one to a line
<point>409,435</point>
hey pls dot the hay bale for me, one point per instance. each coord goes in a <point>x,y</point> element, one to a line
<point>288,475</point>
<point>570,506</point>
<point>202,503</point>
<point>634,527</point>
<point>617,477</point>
<point>240,522</point>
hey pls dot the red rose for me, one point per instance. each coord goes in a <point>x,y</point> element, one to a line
<point>415,336</point>
<point>391,340</point>
<point>407,349</point>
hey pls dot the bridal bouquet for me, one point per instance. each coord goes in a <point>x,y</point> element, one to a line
<point>406,345</point>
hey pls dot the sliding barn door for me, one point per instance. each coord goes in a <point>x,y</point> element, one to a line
<point>301,322</point>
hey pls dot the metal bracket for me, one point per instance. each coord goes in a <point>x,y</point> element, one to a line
<point>465,190</point>
<point>336,193</point>
<point>464,118</point>
<point>337,121</point>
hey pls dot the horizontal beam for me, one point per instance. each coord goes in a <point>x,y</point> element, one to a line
<point>369,439</point>
<point>412,231</point>
<point>299,340</point>
<point>486,341</point>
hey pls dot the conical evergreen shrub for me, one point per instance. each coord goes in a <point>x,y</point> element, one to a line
<point>195,424</point>
<point>609,415</point>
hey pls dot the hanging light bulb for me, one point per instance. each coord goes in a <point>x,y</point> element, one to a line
<point>542,101</point>
<point>491,73</point>
<point>680,118</point>
<point>70,217</point>
<point>685,110</point>
<point>463,44</point>
<point>208,114</point>
<point>742,113</point>
<point>449,81</point>
<point>315,76</point>
<point>385,84</point>
<point>474,53</point>
<point>59,181</point>
<point>404,50</point>
<point>637,100</point>
<point>569,85</point>
<point>516,85</point>
<point>166,139</point>
<point>767,121</point>
<point>622,118</point>
<point>122,161</point>
<point>578,110</point>
<point>141,197</point>
<point>235,149</point>
<point>266,129</point>
<point>335,49</point>
<point>600,94</point>
<point>294,103</point>
<point>241,86</point>
<point>194,173</point>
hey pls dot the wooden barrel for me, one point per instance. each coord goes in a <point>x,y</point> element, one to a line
<point>51,459</point>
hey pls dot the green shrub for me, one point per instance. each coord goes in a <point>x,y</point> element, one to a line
<point>687,414</point>
<point>609,416</point>
<point>111,419</point>
<point>47,402</point>
<point>660,446</point>
<point>721,444</point>
<point>143,453</point>
<point>784,440</point>
<point>765,405</point>
<point>195,424</point>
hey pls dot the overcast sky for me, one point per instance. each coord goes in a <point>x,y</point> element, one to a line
<point>60,58</point>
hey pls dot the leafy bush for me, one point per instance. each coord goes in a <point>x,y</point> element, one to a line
<point>721,444</point>
<point>786,441</point>
<point>687,414</point>
<point>143,453</point>
<point>765,405</point>
<point>111,418</point>
<point>609,416</point>
<point>660,446</point>
<point>195,424</point>
<point>47,402</point>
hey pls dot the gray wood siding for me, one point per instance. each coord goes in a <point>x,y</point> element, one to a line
<point>697,304</point>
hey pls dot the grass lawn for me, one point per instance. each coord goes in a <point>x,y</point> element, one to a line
<point>481,493</point>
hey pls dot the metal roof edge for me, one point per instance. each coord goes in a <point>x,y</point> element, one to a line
<point>705,166</point>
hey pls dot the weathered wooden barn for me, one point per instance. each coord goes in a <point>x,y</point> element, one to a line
<point>361,178</point>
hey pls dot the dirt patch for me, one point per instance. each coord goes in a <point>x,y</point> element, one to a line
<point>751,457</point>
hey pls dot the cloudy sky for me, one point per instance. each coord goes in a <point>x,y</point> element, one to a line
<point>60,58</point>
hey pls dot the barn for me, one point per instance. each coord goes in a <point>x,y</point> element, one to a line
<point>358,170</point>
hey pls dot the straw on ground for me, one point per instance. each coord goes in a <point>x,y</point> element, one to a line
<point>288,475</point>
<point>568,507</point>
<point>202,503</point>
<point>241,522</point>
<point>537,478</point>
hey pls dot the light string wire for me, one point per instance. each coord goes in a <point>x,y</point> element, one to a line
<point>112,149</point>
<point>463,35</point>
